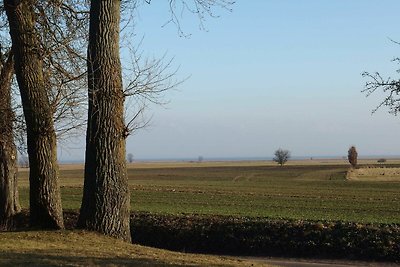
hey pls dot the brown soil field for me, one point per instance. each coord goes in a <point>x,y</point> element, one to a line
<point>190,164</point>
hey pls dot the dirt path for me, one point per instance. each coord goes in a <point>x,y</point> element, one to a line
<point>318,263</point>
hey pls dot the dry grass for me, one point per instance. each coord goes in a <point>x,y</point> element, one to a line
<point>80,248</point>
<point>374,174</point>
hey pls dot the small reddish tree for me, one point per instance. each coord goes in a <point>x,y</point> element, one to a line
<point>352,156</point>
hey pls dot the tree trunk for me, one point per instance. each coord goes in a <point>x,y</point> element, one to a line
<point>9,202</point>
<point>106,200</point>
<point>45,199</point>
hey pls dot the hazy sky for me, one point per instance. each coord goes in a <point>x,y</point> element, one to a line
<point>270,74</point>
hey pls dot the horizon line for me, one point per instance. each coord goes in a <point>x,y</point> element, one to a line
<point>203,158</point>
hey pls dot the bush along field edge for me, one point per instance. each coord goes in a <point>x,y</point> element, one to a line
<point>265,237</point>
<point>247,236</point>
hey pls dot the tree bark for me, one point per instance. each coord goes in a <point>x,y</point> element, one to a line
<point>9,202</point>
<point>106,200</point>
<point>45,199</point>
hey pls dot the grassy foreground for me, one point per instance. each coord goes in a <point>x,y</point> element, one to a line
<point>80,248</point>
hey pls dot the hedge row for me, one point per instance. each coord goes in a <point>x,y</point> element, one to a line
<point>264,237</point>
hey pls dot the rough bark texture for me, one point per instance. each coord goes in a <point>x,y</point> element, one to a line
<point>45,199</point>
<point>9,202</point>
<point>106,200</point>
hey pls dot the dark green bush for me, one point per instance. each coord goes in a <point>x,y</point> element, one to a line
<point>264,237</point>
<point>258,236</point>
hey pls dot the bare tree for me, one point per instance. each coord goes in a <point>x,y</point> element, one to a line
<point>352,156</point>
<point>281,156</point>
<point>52,102</point>
<point>45,199</point>
<point>130,157</point>
<point>62,28</point>
<point>200,159</point>
<point>106,199</point>
<point>9,199</point>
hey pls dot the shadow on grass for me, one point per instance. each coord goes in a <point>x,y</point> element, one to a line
<point>42,259</point>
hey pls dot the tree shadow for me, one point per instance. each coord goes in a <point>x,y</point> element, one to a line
<point>42,259</point>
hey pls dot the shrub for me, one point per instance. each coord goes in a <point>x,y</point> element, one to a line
<point>352,156</point>
<point>264,237</point>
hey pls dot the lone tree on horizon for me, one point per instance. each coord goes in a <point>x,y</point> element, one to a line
<point>281,156</point>
<point>130,157</point>
<point>352,156</point>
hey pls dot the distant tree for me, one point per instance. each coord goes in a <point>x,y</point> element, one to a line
<point>381,160</point>
<point>352,156</point>
<point>130,157</point>
<point>200,159</point>
<point>281,156</point>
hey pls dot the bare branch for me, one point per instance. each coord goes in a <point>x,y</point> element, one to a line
<point>63,26</point>
<point>200,8</point>
<point>389,86</point>
<point>147,80</point>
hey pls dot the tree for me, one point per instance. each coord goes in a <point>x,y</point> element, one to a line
<point>281,156</point>
<point>45,199</point>
<point>130,157</point>
<point>352,156</point>
<point>9,201</point>
<point>60,35</point>
<point>106,199</point>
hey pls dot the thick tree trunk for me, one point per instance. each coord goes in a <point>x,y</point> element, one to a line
<point>45,199</point>
<point>9,202</point>
<point>105,204</point>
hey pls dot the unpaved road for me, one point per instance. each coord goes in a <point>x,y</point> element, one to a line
<point>318,263</point>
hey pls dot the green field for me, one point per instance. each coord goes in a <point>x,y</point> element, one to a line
<point>304,191</point>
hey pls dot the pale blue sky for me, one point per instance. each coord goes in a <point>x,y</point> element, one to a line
<point>270,74</point>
